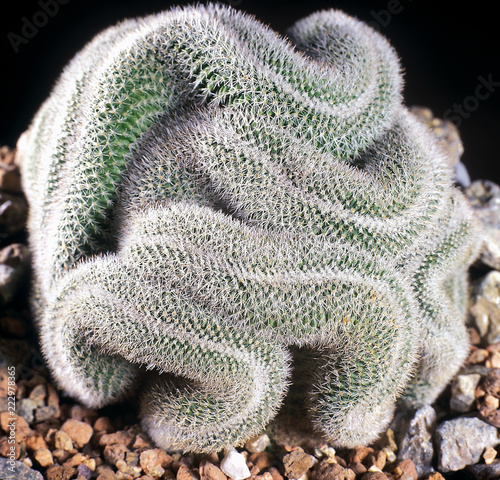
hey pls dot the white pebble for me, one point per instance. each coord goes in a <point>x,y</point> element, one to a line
<point>234,466</point>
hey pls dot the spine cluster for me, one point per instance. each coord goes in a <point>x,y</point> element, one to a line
<point>205,195</point>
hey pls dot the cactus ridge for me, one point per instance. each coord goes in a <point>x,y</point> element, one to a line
<point>206,195</point>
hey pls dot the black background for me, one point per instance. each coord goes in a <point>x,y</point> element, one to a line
<point>444,50</point>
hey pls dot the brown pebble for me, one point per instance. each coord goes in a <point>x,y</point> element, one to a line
<point>341,461</point>
<point>185,473</point>
<point>63,441</point>
<point>75,460</point>
<point>141,442</point>
<point>79,432</point>
<point>4,383</point>
<point>297,463</point>
<point>38,395</point>
<point>7,155</point>
<point>474,337</point>
<point>357,467</point>
<point>15,255</point>
<point>434,476</point>
<point>478,355</point>
<point>359,454</point>
<point>6,449</point>
<point>331,471</point>
<point>53,399</point>
<point>22,428</point>
<point>83,414</point>
<point>61,455</point>
<point>10,179</point>
<point>114,452</point>
<point>406,467</point>
<point>378,459</point>
<point>489,455</point>
<point>124,476</point>
<point>374,476</point>
<point>105,472</point>
<point>58,472</point>
<point>208,471</point>
<point>275,473</point>
<point>44,457</point>
<point>155,461</point>
<point>128,468</point>
<point>34,442</point>
<point>121,436</point>
<point>491,383</point>
<point>492,417</point>
<point>103,424</point>
<point>493,360</point>
<point>261,460</point>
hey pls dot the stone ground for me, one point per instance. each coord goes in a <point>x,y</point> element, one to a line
<point>46,435</point>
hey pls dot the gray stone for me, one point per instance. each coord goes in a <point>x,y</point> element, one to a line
<point>26,407</point>
<point>45,413</point>
<point>14,470</point>
<point>461,442</point>
<point>416,443</point>
<point>84,471</point>
<point>484,196</point>
<point>463,390</point>
<point>481,471</point>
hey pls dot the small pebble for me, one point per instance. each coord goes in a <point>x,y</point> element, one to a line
<point>44,457</point>
<point>326,470</point>
<point>208,471</point>
<point>185,473</point>
<point>121,436</point>
<point>44,413</point>
<point>258,443</point>
<point>463,389</point>
<point>234,466</point>
<point>58,472</point>
<point>26,408</point>
<point>407,469</point>
<point>21,471</point>
<point>103,424</point>
<point>38,395</point>
<point>475,436</point>
<point>489,455</point>
<point>79,432</point>
<point>84,472</point>
<point>114,452</point>
<point>63,441</point>
<point>297,463</point>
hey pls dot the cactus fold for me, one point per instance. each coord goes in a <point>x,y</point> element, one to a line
<point>205,195</point>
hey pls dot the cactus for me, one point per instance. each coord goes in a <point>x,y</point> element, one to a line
<point>206,195</point>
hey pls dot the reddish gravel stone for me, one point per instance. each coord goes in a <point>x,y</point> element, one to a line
<point>58,472</point>
<point>79,432</point>
<point>121,436</point>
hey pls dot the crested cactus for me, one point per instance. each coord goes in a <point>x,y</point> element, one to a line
<point>206,195</point>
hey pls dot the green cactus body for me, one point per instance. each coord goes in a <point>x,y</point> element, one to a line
<point>206,195</point>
